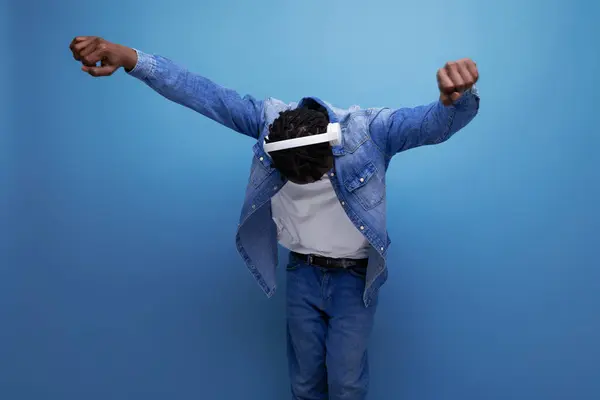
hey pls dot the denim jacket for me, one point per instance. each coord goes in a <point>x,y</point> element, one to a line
<point>370,138</point>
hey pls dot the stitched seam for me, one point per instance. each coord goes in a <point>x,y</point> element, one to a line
<point>425,119</point>
<point>383,152</point>
<point>449,125</point>
<point>363,140</point>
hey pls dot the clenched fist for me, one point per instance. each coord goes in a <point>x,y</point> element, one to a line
<point>456,77</point>
<point>92,49</point>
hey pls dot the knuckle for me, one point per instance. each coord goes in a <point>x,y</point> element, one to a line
<point>104,49</point>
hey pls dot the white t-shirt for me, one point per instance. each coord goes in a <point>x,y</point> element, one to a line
<point>311,220</point>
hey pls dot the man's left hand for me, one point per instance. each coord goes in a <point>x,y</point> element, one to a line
<point>456,77</point>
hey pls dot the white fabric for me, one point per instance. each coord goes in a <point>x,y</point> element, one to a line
<point>311,220</point>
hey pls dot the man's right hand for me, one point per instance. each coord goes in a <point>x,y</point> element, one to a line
<point>92,49</point>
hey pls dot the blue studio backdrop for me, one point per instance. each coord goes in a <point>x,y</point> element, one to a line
<point>119,277</point>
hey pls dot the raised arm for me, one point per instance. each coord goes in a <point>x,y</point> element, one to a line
<point>172,81</point>
<point>401,129</point>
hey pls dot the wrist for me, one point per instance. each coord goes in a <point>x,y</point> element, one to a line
<point>130,58</point>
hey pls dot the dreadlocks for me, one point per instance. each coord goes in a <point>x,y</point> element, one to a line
<point>301,164</point>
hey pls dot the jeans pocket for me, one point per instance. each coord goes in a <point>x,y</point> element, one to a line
<point>292,266</point>
<point>359,272</point>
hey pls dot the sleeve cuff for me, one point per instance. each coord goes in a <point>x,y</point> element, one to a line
<point>144,67</point>
<point>470,98</point>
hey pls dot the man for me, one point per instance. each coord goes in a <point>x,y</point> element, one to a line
<point>325,202</point>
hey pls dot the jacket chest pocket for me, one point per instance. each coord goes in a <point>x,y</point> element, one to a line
<point>367,187</point>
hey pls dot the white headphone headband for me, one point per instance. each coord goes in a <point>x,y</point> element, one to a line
<point>333,136</point>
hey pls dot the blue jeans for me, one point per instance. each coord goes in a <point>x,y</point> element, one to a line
<point>328,327</point>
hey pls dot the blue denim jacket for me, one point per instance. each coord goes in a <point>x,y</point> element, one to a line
<point>370,138</point>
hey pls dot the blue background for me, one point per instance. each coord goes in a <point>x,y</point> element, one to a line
<point>119,277</point>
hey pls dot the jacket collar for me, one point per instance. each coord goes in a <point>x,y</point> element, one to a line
<point>310,101</point>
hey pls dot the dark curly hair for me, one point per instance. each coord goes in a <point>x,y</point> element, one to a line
<point>307,163</point>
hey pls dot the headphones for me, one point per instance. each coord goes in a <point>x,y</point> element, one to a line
<point>333,136</point>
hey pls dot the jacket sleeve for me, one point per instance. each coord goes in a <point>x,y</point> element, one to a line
<point>178,84</point>
<point>401,129</point>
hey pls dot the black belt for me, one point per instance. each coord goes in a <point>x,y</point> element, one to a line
<point>327,262</point>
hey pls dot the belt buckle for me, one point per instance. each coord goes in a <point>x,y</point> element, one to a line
<point>310,259</point>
